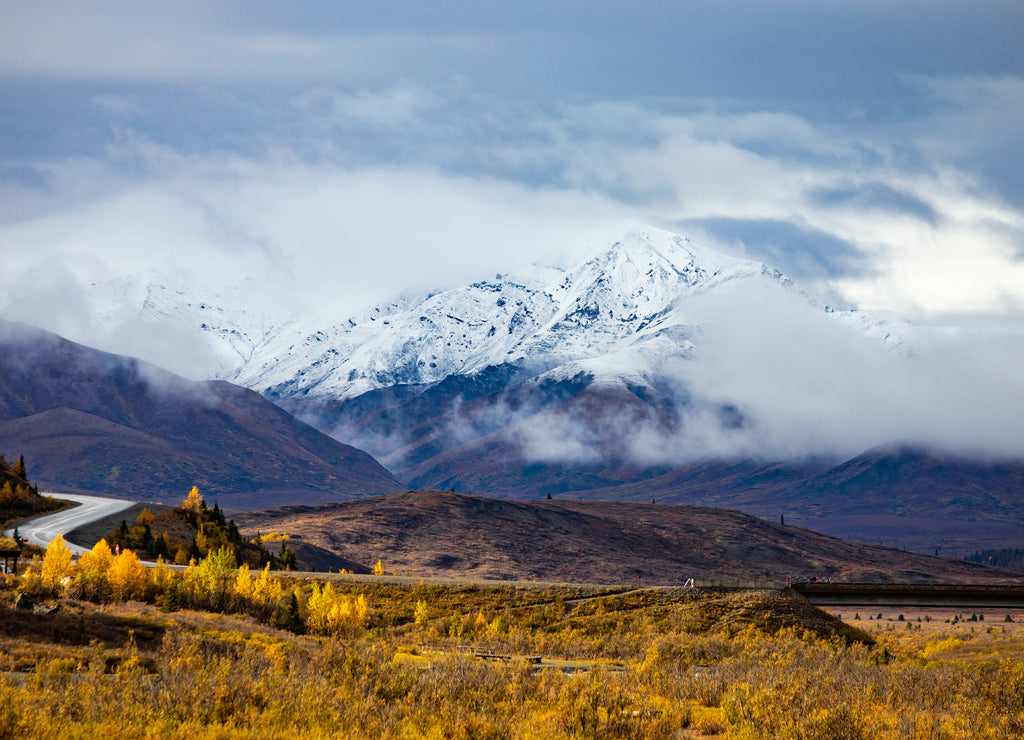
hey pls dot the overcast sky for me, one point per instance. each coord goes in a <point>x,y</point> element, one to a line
<point>337,153</point>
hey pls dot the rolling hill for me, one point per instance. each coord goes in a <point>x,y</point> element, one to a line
<point>88,421</point>
<point>436,533</point>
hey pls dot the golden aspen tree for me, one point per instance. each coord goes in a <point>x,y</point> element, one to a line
<point>331,613</point>
<point>57,565</point>
<point>422,612</point>
<point>378,569</point>
<point>193,502</point>
<point>160,577</point>
<point>267,591</point>
<point>128,577</point>
<point>243,585</point>
<point>209,584</point>
<point>92,581</point>
<point>202,543</point>
<point>191,587</point>
<point>319,606</point>
<point>100,558</point>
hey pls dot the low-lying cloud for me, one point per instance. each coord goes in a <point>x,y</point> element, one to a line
<point>309,166</point>
<point>775,392</point>
<point>771,377</point>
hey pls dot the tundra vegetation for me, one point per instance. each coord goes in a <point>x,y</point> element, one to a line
<point>192,531</point>
<point>219,650</point>
<point>18,497</point>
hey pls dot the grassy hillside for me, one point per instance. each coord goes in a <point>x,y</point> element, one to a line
<point>424,533</point>
<point>18,497</point>
<point>96,422</point>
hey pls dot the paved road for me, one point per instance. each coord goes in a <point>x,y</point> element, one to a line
<point>90,508</point>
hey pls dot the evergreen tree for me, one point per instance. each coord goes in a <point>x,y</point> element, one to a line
<point>19,468</point>
<point>292,618</point>
<point>234,536</point>
<point>287,557</point>
<point>170,600</point>
<point>218,515</point>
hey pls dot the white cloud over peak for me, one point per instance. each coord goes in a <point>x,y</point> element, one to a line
<point>317,158</point>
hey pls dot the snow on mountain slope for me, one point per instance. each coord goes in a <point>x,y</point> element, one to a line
<point>623,312</point>
<point>168,319</point>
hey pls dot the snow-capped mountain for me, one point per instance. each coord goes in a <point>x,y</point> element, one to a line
<point>640,353</point>
<point>651,351</point>
<point>651,369</point>
<point>623,312</point>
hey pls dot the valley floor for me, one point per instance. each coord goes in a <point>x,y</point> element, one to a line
<point>562,662</point>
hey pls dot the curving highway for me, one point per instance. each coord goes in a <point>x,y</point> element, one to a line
<point>42,530</point>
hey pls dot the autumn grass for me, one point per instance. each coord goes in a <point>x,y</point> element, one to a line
<point>646,663</point>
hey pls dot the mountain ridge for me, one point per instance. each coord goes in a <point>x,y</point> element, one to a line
<point>639,373</point>
<point>437,533</point>
<point>90,421</point>
<point>626,295</point>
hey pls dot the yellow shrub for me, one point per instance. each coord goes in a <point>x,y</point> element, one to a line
<point>942,646</point>
<point>331,613</point>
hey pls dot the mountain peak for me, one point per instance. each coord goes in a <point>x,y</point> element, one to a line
<point>641,244</point>
<point>637,279</point>
<point>631,296</point>
<point>646,270</point>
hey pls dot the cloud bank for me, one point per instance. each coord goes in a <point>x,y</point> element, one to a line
<point>308,160</point>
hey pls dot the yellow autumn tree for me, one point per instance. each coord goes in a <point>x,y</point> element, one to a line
<point>160,577</point>
<point>99,558</point>
<point>422,612</point>
<point>243,582</point>
<point>92,581</point>
<point>210,583</point>
<point>193,502</point>
<point>260,594</point>
<point>378,569</point>
<point>128,577</point>
<point>57,565</point>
